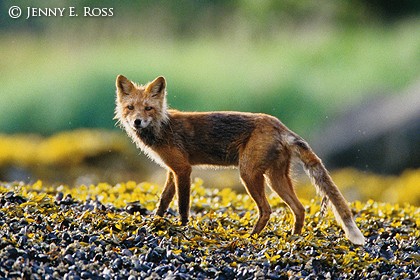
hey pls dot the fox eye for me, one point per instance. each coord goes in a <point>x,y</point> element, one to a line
<point>130,107</point>
<point>148,108</point>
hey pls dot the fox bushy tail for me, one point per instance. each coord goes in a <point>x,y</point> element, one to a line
<point>327,189</point>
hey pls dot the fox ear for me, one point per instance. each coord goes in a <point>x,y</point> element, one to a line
<point>124,85</point>
<point>157,87</point>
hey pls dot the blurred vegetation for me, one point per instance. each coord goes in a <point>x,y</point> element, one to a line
<point>356,185</point>
<point>189,17</point>
<point>74,157</point>
<point>85,157</point>
<point>301,61</point>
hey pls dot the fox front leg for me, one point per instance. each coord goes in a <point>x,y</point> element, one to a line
<point>167,195</point>
<point>183,187</point>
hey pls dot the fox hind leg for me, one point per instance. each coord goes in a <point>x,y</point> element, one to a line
<point>254,184</point>
<point>279,180</point>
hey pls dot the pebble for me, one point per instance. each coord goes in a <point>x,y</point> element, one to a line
<point>127,252</point>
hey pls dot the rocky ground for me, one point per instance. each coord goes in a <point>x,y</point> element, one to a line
<point>109,232</point>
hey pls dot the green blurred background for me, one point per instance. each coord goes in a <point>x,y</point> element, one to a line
<point>309,63</point>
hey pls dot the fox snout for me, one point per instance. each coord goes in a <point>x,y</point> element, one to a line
<point>141,123</point>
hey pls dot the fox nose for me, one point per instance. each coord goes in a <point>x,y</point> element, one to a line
<point>137,123</point>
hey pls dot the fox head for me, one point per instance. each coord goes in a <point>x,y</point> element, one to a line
<point>139,107</point>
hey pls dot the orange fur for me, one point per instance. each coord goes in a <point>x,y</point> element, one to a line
<point>258,144</point>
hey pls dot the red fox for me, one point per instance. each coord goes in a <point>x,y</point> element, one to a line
<point>258,144</point>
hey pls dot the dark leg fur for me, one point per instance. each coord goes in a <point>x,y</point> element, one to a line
<point>183,187</point>
<point>167,195</point>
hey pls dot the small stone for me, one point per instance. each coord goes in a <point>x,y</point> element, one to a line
<point>127,252</point>
<point>69,259</point>
<point>86,275</point>
<point>117,263</point>
<point>59,196</point>
<point>93,238</point>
